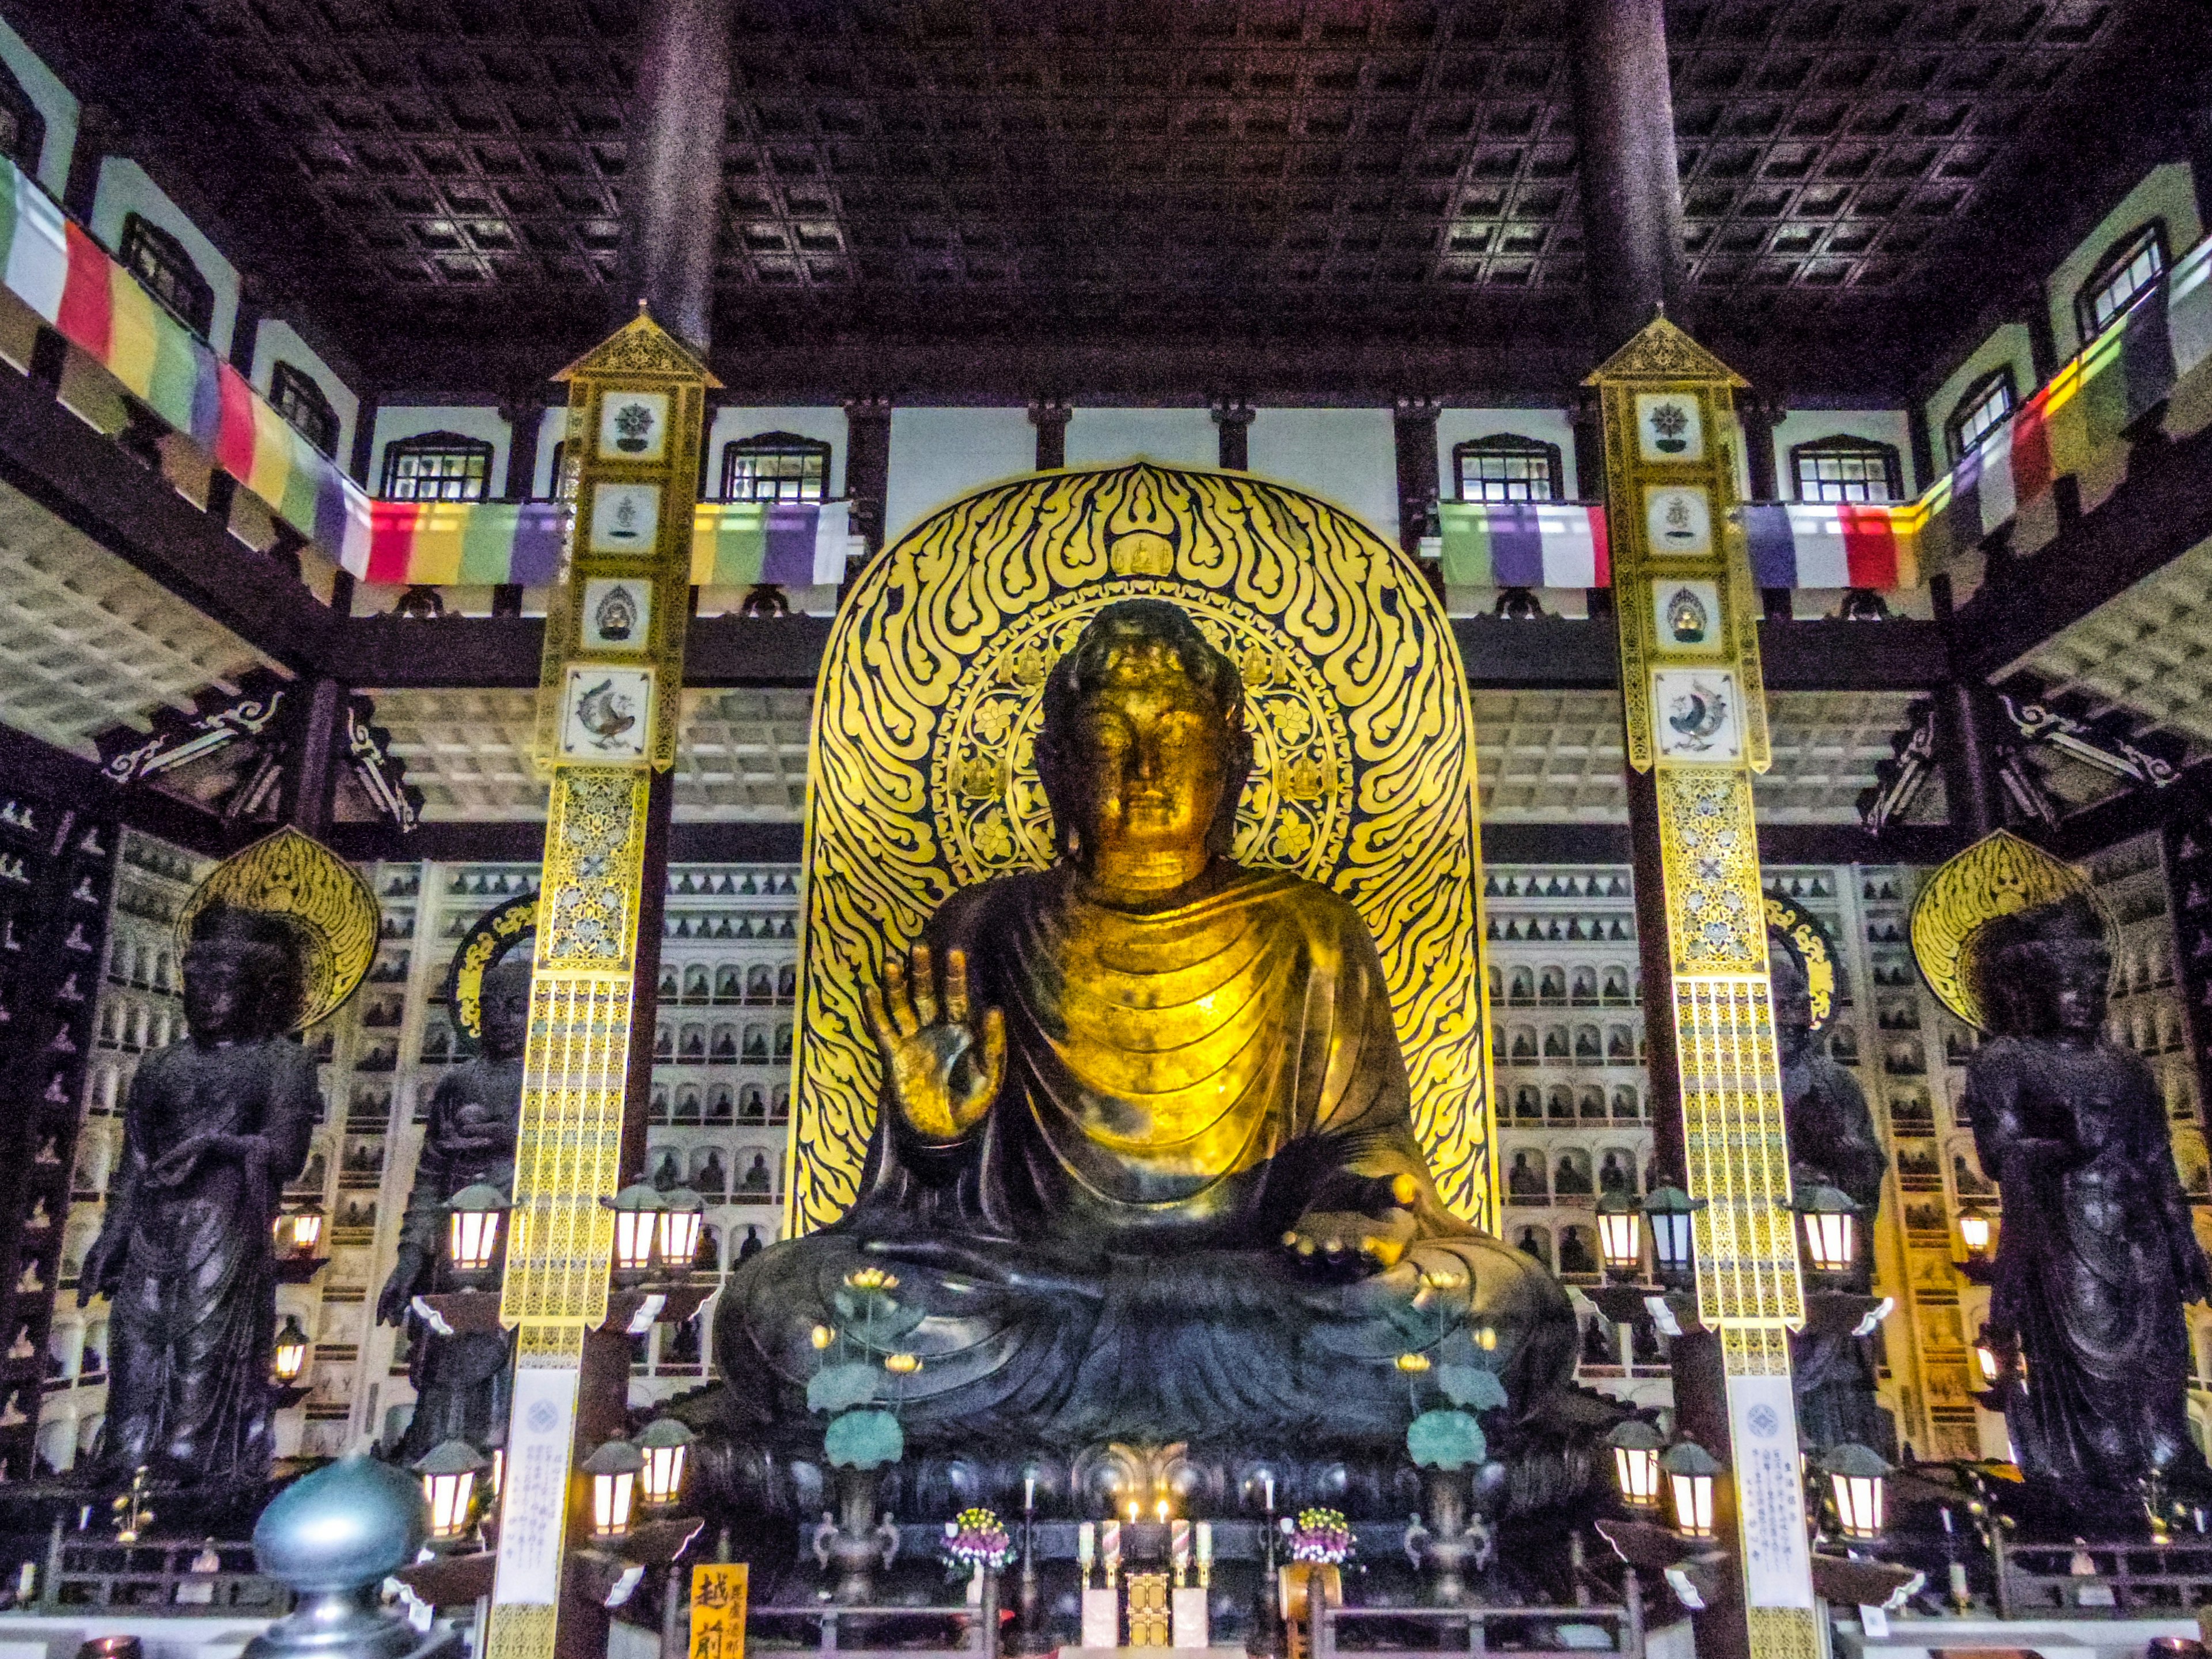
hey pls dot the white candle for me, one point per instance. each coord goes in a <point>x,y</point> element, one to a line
<point>1085,1551</point>
<point>1269,1478</point>
<point>1205,1554</point>
<point>1028,1493</point>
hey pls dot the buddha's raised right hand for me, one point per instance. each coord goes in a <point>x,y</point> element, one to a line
<point>942,1072</point>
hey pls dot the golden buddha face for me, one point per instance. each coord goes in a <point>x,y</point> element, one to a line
<point>1143,751</point>
<point>1147,768</point>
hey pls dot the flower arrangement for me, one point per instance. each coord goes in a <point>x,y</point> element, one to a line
<point>976,1538</point>
<point>1321,1536</point>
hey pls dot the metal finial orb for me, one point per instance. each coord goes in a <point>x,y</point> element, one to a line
<point>354,1523</point>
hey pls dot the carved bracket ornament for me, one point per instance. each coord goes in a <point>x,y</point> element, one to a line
<point>2106,750</point>
<point>231,751</point>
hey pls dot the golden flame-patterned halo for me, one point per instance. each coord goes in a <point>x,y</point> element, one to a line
<point>1804,935</point>
<point>491,937</point>
<point>922,776</point>
<point>1999,875</point>
<point>321,897</point>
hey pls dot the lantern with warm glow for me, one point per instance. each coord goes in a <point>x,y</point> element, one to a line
<point>1828,1220</point>
<point>680,1221</point>
<point>472,1229</point>
<point>1672,1215</point>
<point>449,1471</point>
<point>298,1232</point>
<point>662,1446</point>
<point>291,1355</point>
<point>1986,1360</point>
<point>614,1469</point>
<point>1977,1233</point>
<point>1690,1470</point>
<point>1636,1448</point>
<point>638,1209</point>
<point>1619,1234</point>
<point>1856,1477</point>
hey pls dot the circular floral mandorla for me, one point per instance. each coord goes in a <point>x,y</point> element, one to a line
<point>1321,1536</point>
<point>976,1538</point>
<point>990,804</point>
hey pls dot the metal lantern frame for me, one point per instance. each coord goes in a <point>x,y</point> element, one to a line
<point>1857,1477</point>
<point>476,1215</point>
<point>1621,1233</point>
<point>614,1468</point>
<point>638,1209</point>
<point>1827,1221</point>
<point>1636,1445</point>
<point>663,1445</point>
<point>449,1471</point>
<point>1692,1474</point>
<point>289,1355</point>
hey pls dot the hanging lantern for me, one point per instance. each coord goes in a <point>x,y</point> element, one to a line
<point>1986,1360</point>
<point>298,1232</point>
<point>1671,1214</point>
<point>1977,1233</point>
<point>1636,1448</point>
<point>638,1209</point>
<point>1828,1221</point>
<point>291,1355</point>
<point>614,1469</point>
<point>1619,1234</point>
<point>678,1240</point>
<point>449,1471</point>
<point>1855,1480</point>
<point>472,1229</point>
<point>1690,1470</point>
<point>663,1446</point>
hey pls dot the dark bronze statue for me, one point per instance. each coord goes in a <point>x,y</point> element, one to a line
<point>214,1127</point>
<point>2096,1255</point>
<point>1143,1152</point>
<point>1832,1142</point>
<point>462,1381</point>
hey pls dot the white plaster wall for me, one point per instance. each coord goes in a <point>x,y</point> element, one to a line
<point>53,100</point>
<point>412,420</point>
<point>1882,426</point>
<point>2009,344</point>
<point>1173,437</point>
<point>938,454</point>
<point>2167,192</point>
<point>1348,456</point>
<point>1458,426</point>
<point>279,342</point>
<point>824,424</point>
<point>124,189</point>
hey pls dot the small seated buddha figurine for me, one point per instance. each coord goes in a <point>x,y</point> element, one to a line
<point>1143,1156</point>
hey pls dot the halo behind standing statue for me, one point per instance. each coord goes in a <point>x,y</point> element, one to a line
<point>2000,875</point>
<point>491,936</point>
<point>331,911</point>
<point>1801,933</point>
<point>922,776</point>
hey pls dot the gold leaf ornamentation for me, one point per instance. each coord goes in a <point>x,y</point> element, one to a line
<point>1997,876</point>
<point>322,898</point>
<point>1355,694</point>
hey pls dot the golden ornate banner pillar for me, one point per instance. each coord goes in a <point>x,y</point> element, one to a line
<point>1696,718</point>
<point>608,706</point>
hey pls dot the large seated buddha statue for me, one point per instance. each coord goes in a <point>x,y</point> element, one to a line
<point>1143,1161</point>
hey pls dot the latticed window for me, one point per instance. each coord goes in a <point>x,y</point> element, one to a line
<point>776,466</point>
<point>437,466</point>
<point>159,260</point>
<point>1506,467</point>
<point>294,394</point>
<point>1985,407</point>
<point>2124,276</point>
<point>1847,469</point>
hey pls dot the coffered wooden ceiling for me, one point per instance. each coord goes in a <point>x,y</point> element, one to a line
<point>1400,172</point>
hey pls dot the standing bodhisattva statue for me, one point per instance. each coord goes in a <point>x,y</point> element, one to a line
<point>1143,1156</point>
<point>214,1127</point>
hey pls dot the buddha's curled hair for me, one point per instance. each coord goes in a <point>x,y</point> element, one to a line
<point>1077,676</point>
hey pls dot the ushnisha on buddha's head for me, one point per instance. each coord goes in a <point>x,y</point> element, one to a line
<point>242,975</point>
<point>1143,750</point>
<point>2045,971</point>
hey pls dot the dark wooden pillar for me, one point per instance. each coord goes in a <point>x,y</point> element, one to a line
<point>1234,418</point>
<point>96,137</point>
<point>524,420</point>
<point>868,464</point>
<point>1631,195</point>
<point>1966,735</point>
<point>1049,417</point>
<point>1758,415</point>
<point>672,186</point>
<point>310,781</point>
<point>1413,428</point>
